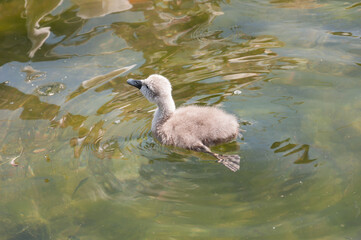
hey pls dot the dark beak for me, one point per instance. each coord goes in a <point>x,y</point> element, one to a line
<point>135,83</point>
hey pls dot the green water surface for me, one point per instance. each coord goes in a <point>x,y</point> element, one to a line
<point>77,158</point>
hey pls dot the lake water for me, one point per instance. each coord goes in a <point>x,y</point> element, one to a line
<point>77,158</point>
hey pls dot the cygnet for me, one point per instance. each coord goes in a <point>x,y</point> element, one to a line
<point>191,127</point>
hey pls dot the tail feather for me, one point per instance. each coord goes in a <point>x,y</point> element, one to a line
<point>230,161</point>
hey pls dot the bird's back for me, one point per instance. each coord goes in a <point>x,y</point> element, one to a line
<point>191,125</point>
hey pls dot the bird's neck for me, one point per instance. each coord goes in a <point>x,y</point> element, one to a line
<point>166,108</point>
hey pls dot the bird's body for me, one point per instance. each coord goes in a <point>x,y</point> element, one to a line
<point>191,127</point>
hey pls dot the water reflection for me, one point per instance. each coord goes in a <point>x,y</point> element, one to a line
<point>205,53</point>
<point>87,149</point>
<point>100,8</point>
<point>49,89</point>
<point>344,34</point>
<point>21,41</point>
<point>35,11</point>
<point>300,4</point>
<point>175,40</point>
<point>33,74</point>
<point>98,80</point>
<point>12,99</point>
<point>182,45</point>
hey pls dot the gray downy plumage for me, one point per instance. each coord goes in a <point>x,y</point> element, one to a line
<point>191,127</point>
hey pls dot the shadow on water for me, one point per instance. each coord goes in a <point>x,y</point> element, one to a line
<point>290,149</point>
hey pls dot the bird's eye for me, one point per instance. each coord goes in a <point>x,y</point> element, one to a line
<point>145,86</point>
